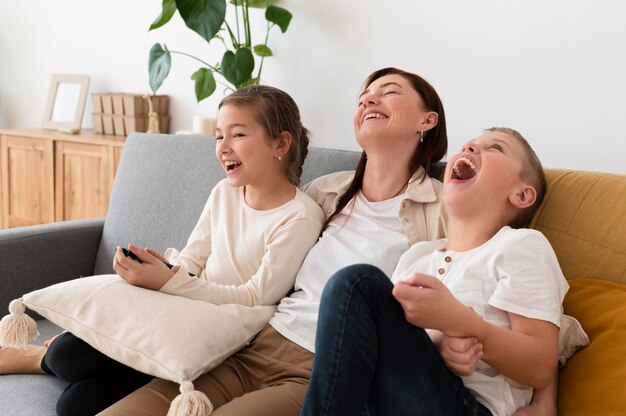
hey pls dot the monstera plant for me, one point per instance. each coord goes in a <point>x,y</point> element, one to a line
<point>208,19</point>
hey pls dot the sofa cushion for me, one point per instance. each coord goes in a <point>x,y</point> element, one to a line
<point>32,394</point>
<point>592,381</point>
<point>160,188</point>
<point>583,218</point>
<point>168,336</point>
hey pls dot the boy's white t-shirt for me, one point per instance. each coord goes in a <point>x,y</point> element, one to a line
<point>515,271</point>
<point>364,232</point>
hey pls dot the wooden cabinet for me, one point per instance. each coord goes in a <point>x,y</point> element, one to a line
<point>27,181</point>
<point>47,176</point>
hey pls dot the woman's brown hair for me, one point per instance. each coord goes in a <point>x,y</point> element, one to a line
<point>431,150</point>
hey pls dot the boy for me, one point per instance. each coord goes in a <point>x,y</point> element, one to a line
<point>500,285</point>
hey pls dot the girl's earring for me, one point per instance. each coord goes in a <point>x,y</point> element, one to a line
<point>279,157</point>
<point>421,137</point>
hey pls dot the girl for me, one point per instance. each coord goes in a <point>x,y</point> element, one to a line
<point>373,215</point>
<point>241,250</point>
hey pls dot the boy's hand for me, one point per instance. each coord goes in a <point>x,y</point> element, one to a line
<point>151,274</point>
<point>460,354</point>
<point>428,303</point>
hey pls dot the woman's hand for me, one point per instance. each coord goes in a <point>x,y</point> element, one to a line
<point>461,355</point>
<point>543,402</point>
<point>428,303</point>
<point>151,274</point>
<point>533,410</point>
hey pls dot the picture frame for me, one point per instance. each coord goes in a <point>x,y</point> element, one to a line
<point>66,102</point>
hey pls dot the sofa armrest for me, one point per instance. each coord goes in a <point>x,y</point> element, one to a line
<point>38,256</point>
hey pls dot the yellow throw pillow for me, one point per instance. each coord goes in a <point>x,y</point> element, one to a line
<point>593,381</point>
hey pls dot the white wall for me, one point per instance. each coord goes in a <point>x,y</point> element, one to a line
<point>552,69</point>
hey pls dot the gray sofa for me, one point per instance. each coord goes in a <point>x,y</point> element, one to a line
<point>161,186</point>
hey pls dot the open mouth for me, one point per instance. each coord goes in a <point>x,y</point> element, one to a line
<point>378,116</point>
<point>463,169</point>
<point>231,166</point>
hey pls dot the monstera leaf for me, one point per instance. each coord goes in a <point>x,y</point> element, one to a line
<point>237,67</point>
<point>205,17</point>
<point>205,83</point>
<point>159,65</point>
<point>279,16</point>
<point>169,8</point>
<point>208,19</point>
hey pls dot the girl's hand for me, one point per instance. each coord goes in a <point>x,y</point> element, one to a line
<point>460,354</point>
<point>156,254</point>
<point>428,303</point>
<point>151,274</point>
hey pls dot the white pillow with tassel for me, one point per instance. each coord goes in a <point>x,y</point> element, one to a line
<point>167,336</point>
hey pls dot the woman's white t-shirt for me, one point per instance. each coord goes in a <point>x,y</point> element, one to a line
<point>363,232</point>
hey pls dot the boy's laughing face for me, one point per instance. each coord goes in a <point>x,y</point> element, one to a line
<point>483,176</point>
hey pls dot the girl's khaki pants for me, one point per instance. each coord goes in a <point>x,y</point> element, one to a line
<point>268,377</point>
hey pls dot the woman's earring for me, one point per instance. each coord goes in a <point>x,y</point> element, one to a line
<point>279,157</point>
<point>421,137</point>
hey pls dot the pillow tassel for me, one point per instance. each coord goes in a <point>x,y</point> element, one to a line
<point>17,328</point>
<point>190,402</point>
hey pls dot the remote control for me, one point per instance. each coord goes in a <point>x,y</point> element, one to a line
<point>132,255</point>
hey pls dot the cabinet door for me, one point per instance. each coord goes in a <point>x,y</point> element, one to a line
<point>117,154</point>
<point>27,181</point>
<point>82,180</point>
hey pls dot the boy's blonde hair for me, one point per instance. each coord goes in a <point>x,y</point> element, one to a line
<point>532,173</point>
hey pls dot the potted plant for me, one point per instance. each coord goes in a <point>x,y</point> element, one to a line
<point>208,19</point>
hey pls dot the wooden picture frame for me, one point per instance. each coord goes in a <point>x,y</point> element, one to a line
<point>66,102</point>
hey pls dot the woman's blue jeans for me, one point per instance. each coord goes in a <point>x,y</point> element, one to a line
<point>368,357</point>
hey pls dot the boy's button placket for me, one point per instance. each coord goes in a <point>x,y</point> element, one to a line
<point>446,265</point>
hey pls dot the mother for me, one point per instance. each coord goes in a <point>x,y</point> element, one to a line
<point>373,216</point>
